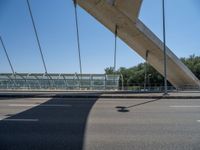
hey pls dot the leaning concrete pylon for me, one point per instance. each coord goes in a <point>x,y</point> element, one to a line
<point>132,31</point>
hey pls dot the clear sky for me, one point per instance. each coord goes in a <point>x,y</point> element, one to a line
<point>56,28</point>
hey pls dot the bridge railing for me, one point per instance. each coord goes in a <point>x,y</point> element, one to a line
<point>38,81</point>
<point>150,88</point>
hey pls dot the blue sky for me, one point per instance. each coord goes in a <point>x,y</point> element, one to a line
<point>56,28</point>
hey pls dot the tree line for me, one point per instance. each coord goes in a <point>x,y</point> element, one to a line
<point>136,75</point>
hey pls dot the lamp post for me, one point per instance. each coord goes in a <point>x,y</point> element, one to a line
<point>145,67</point>
<point>122,80</point>
<point>149,75</point>
<point>164,49</point>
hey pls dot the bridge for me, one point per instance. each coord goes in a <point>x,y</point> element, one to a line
<point>124,15</point>
<point>101,118</point>
<point>121,18</point>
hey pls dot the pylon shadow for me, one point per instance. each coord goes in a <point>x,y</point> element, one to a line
<point>56,128</point>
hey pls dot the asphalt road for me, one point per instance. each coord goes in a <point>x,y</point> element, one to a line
<point>99,124</point>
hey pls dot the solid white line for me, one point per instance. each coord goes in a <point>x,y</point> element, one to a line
<point>22,120</point>
<point>185,106</point>
<point>40,105</point>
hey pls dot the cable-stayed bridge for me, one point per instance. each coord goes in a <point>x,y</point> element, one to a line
<point>124,15</point>
<point>121,18</point>
<point>100,120</point>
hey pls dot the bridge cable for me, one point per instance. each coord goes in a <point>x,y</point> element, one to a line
<point>78,40</point>
<point>8,58</point>
<point>36,34</point>
<point>9,61</point>
<point>78,35</point>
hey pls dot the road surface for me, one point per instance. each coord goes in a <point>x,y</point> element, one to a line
<point>99,124</point>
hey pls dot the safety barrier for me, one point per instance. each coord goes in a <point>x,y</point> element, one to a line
<point>38,81</point>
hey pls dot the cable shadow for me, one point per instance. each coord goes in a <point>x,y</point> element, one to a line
<point>54,128</point>
<point>125,109</point>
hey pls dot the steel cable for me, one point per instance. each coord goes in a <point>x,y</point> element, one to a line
<point>78,35</point>
<point>8,58</point>
<point>36,34</point>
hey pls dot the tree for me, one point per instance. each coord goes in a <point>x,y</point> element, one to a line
<point>135,75</point>
<point>109,70</point>
<point>193,63</point>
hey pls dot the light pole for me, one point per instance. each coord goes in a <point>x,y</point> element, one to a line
<point>122,80</point>
<point>149,75</point>
<point>164,48</point>
<point>145,67</point>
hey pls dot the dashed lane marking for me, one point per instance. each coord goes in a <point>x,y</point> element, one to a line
<point>185,106</point>
<point>22,120</point>
<point>40,105</point>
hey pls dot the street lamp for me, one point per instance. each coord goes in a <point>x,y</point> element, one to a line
<point>149,75</point>
<point>164,49</point>
<point>122,80</point>
<point>145,68</point>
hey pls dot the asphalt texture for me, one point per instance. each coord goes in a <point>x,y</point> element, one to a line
<point>99,124</point>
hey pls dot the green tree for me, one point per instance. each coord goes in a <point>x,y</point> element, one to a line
<point>109,70</point>
<point>193,63</point>
<point>136,75</point>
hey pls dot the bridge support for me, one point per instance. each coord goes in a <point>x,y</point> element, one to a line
<point>132,31</point>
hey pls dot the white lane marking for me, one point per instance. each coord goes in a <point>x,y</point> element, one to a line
<point>1,118</point>
<point>40,105</point>
<point>22,120</point>
<point>185,106</point>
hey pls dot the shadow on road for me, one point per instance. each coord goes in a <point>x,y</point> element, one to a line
<point>51,128</point>
<point>125,109</point>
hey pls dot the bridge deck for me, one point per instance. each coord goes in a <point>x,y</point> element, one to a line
<point>93,124</point>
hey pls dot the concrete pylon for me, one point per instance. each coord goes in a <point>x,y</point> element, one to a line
<point>124,14</point>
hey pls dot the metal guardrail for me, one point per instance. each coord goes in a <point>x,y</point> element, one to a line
<point>37,81</point>
<point>136,88</point>
<point>188,88</point>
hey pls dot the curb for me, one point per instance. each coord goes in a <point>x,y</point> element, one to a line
<point>95,96</point>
